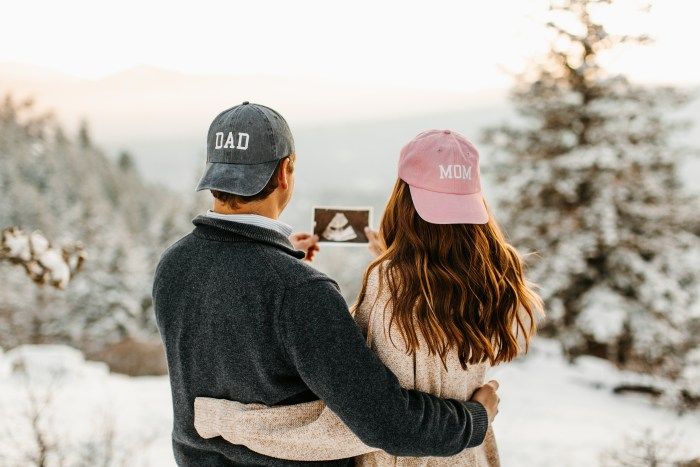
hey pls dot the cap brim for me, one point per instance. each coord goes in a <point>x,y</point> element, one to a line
<point>448,208</point>
<point>238,179</point>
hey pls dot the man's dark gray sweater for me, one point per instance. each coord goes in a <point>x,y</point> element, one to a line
<point>242,318</point>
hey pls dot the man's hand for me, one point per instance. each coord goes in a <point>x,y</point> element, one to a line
<point>305,242</point>
<point>376,242</point>
<point>486,396</point>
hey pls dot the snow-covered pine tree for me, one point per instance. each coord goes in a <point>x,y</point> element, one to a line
<point>592,188</point>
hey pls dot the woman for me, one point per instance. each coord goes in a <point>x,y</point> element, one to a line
<point>444,300</point>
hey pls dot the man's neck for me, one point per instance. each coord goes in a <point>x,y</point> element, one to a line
<point>260,210</point>
<point>260,217</point>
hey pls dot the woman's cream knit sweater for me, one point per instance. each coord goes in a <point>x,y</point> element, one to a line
<point>311,431</point>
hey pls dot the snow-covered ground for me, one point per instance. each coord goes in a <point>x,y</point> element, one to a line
<point>555,414</point>
<point>551,414</point>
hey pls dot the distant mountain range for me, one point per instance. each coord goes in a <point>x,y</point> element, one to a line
<point>146,101</point>
<point>347,135</point>
<point>162,115</point>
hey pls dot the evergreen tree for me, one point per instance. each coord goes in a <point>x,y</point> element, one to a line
<point>125,161</point>
<point>84,138</point>
<point>60,137</point>
<point>593,189</point>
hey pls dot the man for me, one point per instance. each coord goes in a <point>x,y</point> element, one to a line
<point>243,318</point>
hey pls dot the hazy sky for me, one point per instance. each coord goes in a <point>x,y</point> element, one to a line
<point>436,44</point>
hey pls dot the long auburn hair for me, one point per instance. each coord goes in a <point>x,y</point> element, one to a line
<point>461,286</point>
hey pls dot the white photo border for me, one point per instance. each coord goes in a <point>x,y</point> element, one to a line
<point>370,220</point>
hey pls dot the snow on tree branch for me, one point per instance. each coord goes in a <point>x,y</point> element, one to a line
<point>44,263</point>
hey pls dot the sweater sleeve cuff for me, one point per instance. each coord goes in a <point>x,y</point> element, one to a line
<point>480,423</point>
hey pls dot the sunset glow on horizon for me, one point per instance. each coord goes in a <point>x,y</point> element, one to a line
<point>455,46</point>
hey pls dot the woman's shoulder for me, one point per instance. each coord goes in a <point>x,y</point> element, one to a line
<point>374,289</point>
<point>377,280</point>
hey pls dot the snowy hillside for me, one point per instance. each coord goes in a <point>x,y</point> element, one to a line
<point>91,417</point>
<point>65,186</point>
<point>551,414</point>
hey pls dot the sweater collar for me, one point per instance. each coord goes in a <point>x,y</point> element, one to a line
<point>254,219</point>
<point>229,231</point>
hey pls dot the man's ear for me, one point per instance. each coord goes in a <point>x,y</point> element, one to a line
<point>283,175</point>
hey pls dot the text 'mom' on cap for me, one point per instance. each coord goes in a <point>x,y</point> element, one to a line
<point>441,168</point>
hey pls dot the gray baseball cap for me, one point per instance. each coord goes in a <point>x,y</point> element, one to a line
<point>244,145</point>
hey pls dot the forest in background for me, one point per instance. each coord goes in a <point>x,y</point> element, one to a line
<point>66,187</point>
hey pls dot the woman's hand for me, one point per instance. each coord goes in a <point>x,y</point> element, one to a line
<point>305,242</point>
<point>376,242</point>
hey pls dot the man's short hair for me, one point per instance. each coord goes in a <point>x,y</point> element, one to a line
<point>235,201</point>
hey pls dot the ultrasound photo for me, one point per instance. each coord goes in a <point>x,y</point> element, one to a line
<point>343,226</point>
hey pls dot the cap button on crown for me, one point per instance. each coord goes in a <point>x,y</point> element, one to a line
<point>447,132</point>
<point>245,103</point>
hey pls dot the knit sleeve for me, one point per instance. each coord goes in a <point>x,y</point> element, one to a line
<point>300,432</point>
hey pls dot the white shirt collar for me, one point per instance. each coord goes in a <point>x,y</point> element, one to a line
<point>254,219</point>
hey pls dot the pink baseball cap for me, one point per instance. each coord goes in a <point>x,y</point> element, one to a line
<point>441,168</point>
